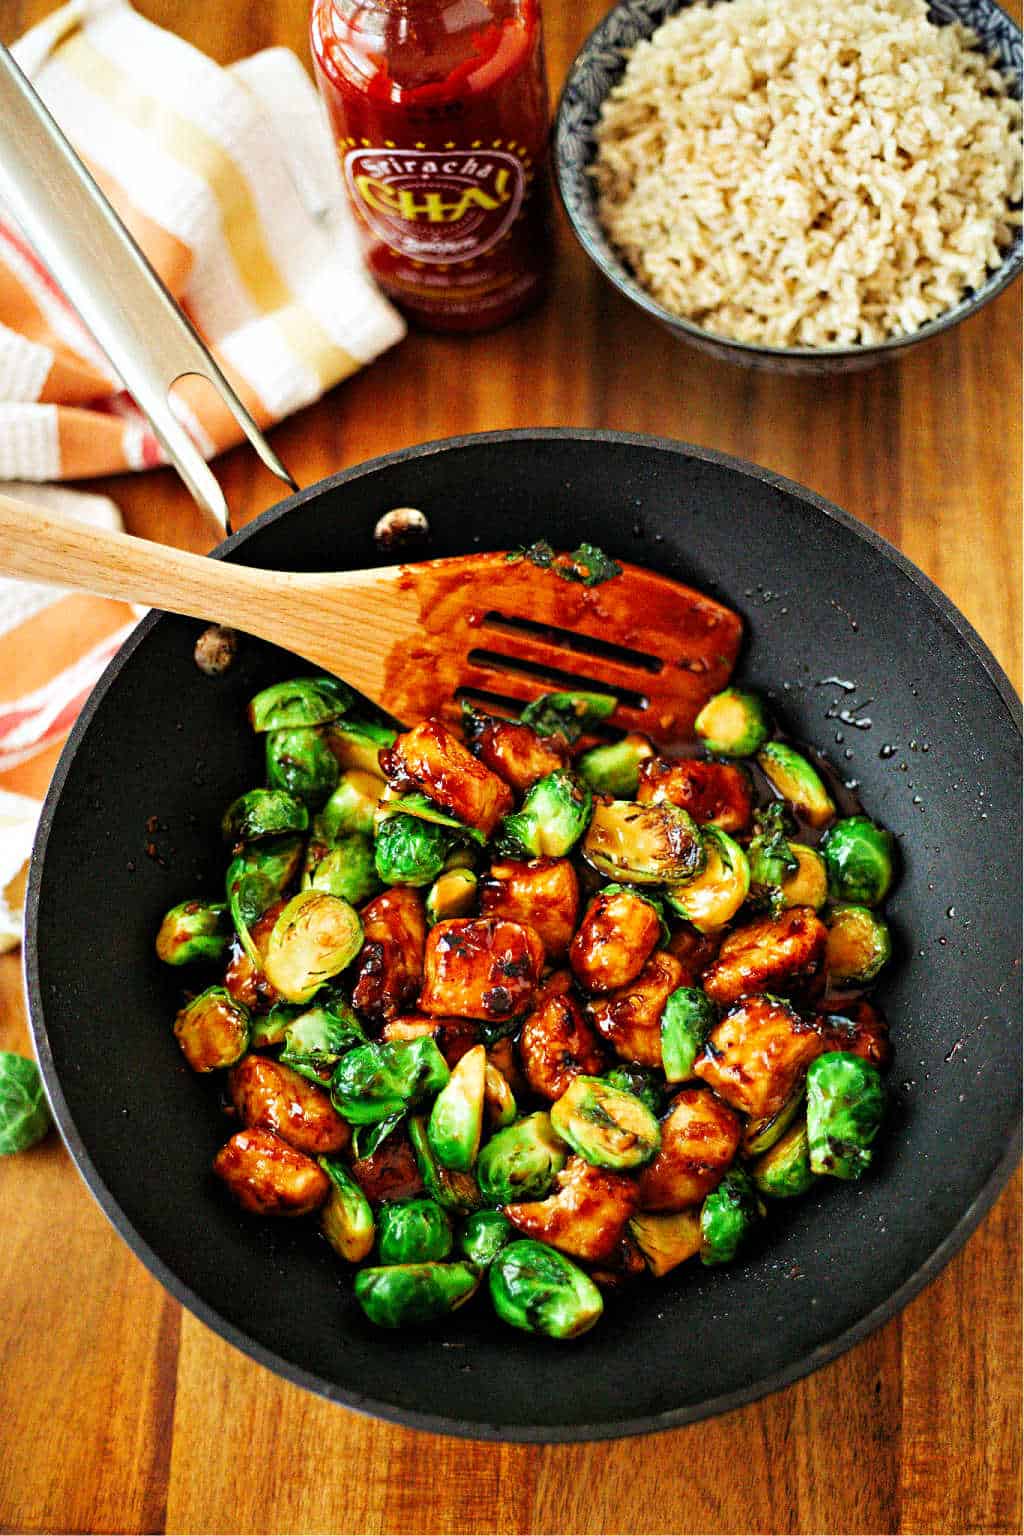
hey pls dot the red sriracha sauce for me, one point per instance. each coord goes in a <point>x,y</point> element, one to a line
<point>439,110</point>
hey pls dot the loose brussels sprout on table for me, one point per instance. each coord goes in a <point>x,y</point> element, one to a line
<point>24,1115</point>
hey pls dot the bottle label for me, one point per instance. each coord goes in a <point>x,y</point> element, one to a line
<point>436,206</point>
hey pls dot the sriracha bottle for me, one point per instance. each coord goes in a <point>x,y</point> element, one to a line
<point>439,110</point>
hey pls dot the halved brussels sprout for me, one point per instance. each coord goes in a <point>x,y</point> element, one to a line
<point>385,1078</point>
<point>300,762</point>
<point>356,743</point>
<point>263,813</point>
<point>417,804</point>
<point>484,1236</point>
<point>785,1169</point>
<point>859,857</point>
<point>858,945</point>
<point>666,1238</point>
<point>567,714</point>
<point>770,857</point>
<point>615,769</point>
<point>348,869</point>
<point>688,1018</point>
<point>643,844</point>
<point>457,1118</point>
<point>520,1162</point>
<point>712,898</point>
<point>764,1131</point>
<point>453,894</point>
<point>410,851</point>
<point>413,1232</point>
<point>807,885</point>
<point>269,1029</point>
<point>314,938</point>
<point>257,878</point>
<point>733,723</point>
<point>316,1040</point>
<point>212,1030</point>
<point>643,1082</point>
<point>727,1218</point>
<point>605,1125</point>
<point>24,1113</point>
<point>352,807</point>
<point>194,930</point>
<point>397,1295</point>
<point>303,701</point>
<point>538,1289</point>
<point>346,1220</point>
<point>551,820</point>
<point>845,1104</point>
<point>792,777</point>
<point>456,1192</point>
<point>499,1100</point>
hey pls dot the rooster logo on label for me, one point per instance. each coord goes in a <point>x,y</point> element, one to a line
<point>432,206</point>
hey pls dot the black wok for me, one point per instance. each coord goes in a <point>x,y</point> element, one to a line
<point>823,598</point>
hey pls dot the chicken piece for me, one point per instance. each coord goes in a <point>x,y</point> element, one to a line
<point>694,951</point>
<point>586,1218</point>
<point>615,940</point>
<point>860,1030</point>
<point>699,1138</point>
<point>543,893</point>
<point>557,1045</point>
<point>389,967</point>
<point>268,1177</point>
<point>756,1056</point>
<point>246,984</point>
<point>480,968</point>
<point>770,955</point>
<point>431,758</point>
<point>271,1095</point>
<point>391,1172</point>
<point>715,794</point>
<point>630,1018</point>
<point>514,751</point>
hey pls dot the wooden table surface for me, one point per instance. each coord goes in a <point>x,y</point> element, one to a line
<point>121,1412</point>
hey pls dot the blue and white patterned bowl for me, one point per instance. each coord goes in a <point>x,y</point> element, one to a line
<point>599,65</point>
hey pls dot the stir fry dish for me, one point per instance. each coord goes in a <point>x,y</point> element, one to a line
<point>511,1006</point>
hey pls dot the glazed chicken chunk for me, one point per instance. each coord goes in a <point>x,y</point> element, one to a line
<point>431,758</point>
<point>615,940</point>
<point>266,1093</point>
<point>557,1044</point>
<point>268,1177</point>
<point>860,1030</point>
<point>389,967</point>
<point>770,955</point>
<point>480,968</point>
<point>514,751</point>
<point>715,794</point>
<point>543,893</point>
<point>586,1218</point>
<point>699,1139</point>
<point>630,1018</point>
<point>758,1054</point>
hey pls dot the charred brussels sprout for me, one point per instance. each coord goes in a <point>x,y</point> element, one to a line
<point>453,894</point>
<point>316,1041</point>
<point>727,1218</point>
<point>255,880</point>
<point>764,1131</point>
<point>643,1082</point>
<point>484,1236</point>
<point>417,804</point>
<point>792,777</point>
<point>859,858</point>
<point>374,1081</point>
<point>607,1126</point>
<point>552,819</point>
<point>410,851</point>
<point>212,1030</point>
<point>858,945</point>
<point>785,1169</point>
<point>713,897</point>
<point>24,1116</point>
<point>348,869</point>
<point>567,714</point>
<point>356,743</point>
<point>643,844</point>
<point>733,723</point>
<point>666,1238</point>
<point>194,930</point>
<point>302,702</point>
<point>615,769</point>
<point>538,1289</point>
<point>807,884</point>
<point>301,762</point>
<point>845,1104</point>
<point>263,813</point>
<point>314,938</point>
<point>352,807</point>
<point>456,1120</point>
<point>520,1162</point>
<point>688,1018</point>
<point>456,1192</point>
<point>346,1220</point>
<point>413,1232</point>
<point>400,1295</point>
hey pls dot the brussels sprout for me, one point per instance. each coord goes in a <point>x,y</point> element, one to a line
<point>859,858</point>
<point>316,1040</point>
<point>688,1018</point>
<point>417,804</point>
<point>520,1162</point>
<point>269,1029</point>
<point>615,769</point>
<point>538,1289</point>
<point>453,894</point>
<point>666,1238</point>
<point>764,1131</point>
<point>348,869</point>
<point>858,945</point>
<point>456,1192</point>
<point>459,857</point>
<point>792,777</point>
<point>643,844</point>
<point>356,743</point>
<point>785,1169</point>
<point>807,885</point>
<point>194,930</point>
<point>769,856</point>
<point>607,1126</point>
<point>733,723</point>
<point>499,1100</point>
<point>263,813</point>
<point>352,807</point>
<point>301,762</point>
<point>398,1295</point>
<point>845,1104</point>
<point>413,1232</point>
<point>314,938</point>
<point>643,1082</point>
<point>212,1030</point>
<point>367,1138</point>
<point>457,1118</point>
<point>385,1078</point>
<point>727,1218</point>
<point>256,879</point>
<point>409,851</point>
<point>24,1115</point>
<point>567,714</point>
<point>303,701</point>
<point>552,818</point>
<point>484,1236</point>
<point>713,897</point>
<point>346,1220</point>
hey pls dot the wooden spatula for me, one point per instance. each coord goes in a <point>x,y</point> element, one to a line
<point>413,637</point>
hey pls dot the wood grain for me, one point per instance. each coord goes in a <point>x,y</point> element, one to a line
<point>120,1413</point>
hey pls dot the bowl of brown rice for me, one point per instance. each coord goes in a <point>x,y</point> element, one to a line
<point>799,185</point>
